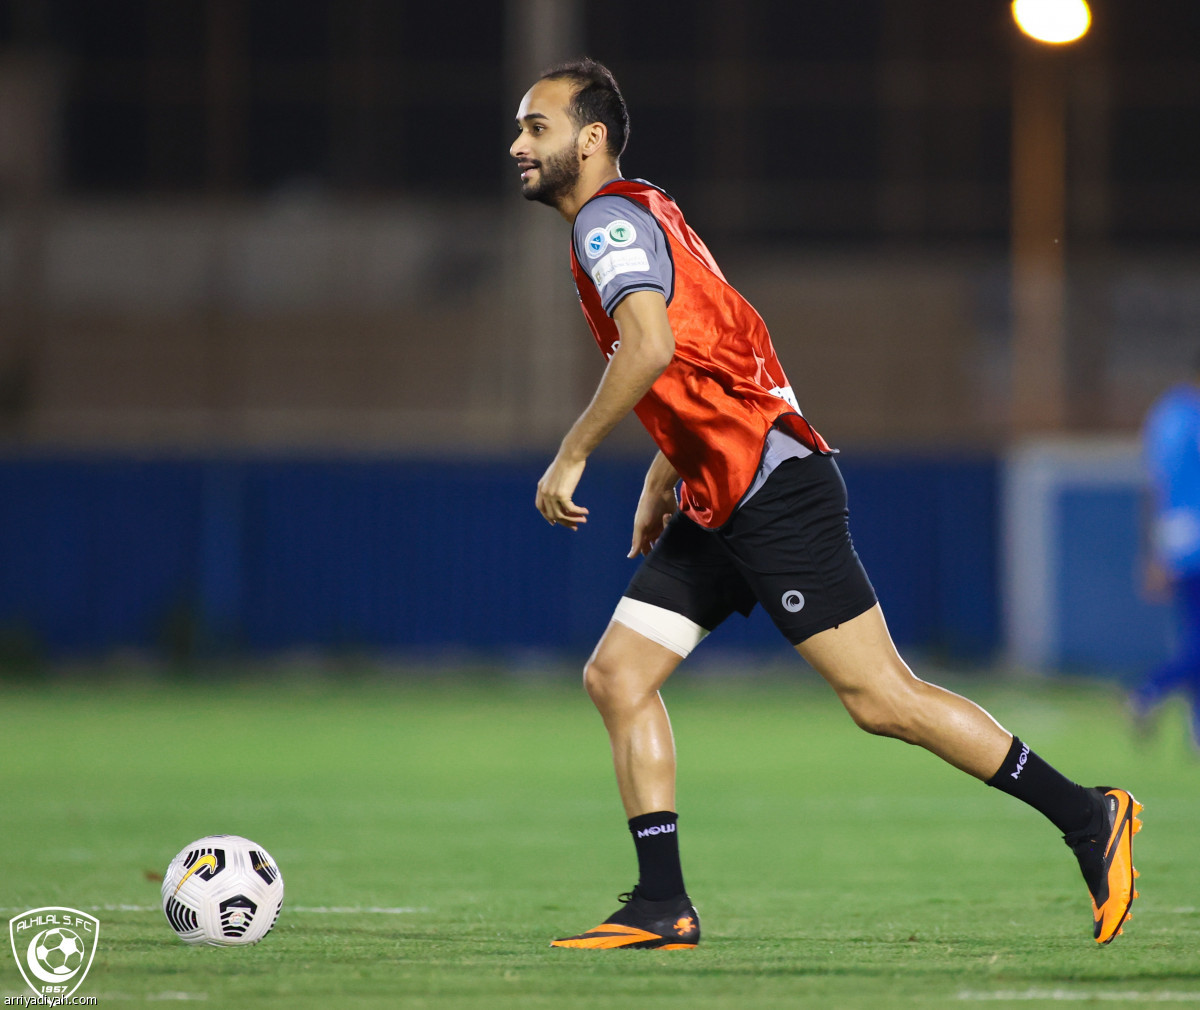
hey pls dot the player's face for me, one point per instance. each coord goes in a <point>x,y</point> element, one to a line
<point>546,149</point>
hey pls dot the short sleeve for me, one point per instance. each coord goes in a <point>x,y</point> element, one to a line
<point>623,249</point>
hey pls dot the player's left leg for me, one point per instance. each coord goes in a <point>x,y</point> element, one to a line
<point>858,659</point>
<point>1181,672</point>
<point>791,543</point>
<point>1176,672</point>
<point>1188,592</point>
<point>883,697</point>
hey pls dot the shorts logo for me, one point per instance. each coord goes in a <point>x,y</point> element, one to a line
<point>54,948</point>
<point>621,234</point>
<point>596,242</point>
<point>792,601</point>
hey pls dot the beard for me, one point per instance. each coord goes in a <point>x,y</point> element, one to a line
<point>557,176</point>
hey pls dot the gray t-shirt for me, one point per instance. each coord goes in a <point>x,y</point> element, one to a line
<point>623,249</point>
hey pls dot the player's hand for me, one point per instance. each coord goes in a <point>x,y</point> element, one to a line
<point>1157,582</point>
<point>654,511</point>
<point>555,489</point>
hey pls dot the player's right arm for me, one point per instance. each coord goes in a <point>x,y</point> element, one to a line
<point>646,348</point>
<point>627,257</point>
<point>655,506</point>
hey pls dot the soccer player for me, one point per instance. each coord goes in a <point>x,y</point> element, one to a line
<point>760,519</point>
<point>1171,447</point>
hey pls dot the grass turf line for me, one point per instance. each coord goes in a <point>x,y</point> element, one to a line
<point>831,868</point>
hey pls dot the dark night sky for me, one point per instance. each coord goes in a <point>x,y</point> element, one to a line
<point>383,96</point>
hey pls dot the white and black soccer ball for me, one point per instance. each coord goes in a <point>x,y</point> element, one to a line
<point>222,890</point>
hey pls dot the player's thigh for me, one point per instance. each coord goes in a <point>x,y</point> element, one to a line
<point>688,574</point>
<point>682,591</point>
<point>627,666</point>
<point>791,542</point>
<point>858,656</point>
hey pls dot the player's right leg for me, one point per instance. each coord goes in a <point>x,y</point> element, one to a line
<point>1189,633</point>
<point>1147,696</point>
<point>683,590</point>
<point>623,677</point>
<point>1182,671</point>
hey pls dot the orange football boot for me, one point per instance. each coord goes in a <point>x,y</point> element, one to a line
<point>642,925</point>
<point>1105,855</point>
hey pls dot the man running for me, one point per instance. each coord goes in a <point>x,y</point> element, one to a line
<point>760,519</point>
<point>1171,448</point>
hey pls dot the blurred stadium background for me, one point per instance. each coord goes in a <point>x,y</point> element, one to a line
<point>283,352</point>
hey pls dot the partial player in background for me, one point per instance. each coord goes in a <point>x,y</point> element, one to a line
<point>1171,446</point>
<point>761,519</point>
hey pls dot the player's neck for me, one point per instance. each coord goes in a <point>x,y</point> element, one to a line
<point>590,183</point>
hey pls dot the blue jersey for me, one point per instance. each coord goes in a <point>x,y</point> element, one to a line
<point>1171,441</point>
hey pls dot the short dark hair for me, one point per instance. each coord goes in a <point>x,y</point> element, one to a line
<point>597,99</point>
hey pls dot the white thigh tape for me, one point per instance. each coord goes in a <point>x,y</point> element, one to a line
<point>669,629</point>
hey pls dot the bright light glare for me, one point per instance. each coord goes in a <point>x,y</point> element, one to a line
<point>1055,21</point>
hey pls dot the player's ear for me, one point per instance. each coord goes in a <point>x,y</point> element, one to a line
<point>593,139</point>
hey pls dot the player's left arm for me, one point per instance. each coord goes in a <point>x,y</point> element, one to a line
<point>656,505</point>
<point>646,348</point>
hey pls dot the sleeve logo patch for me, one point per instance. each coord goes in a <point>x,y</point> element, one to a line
<point>596,242</point>
<point>624,261</point>
<point>621,234</point>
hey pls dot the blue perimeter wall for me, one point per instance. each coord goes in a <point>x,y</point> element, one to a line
<point>371,554</point>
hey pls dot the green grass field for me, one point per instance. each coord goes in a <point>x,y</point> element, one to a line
<point>434,834</point>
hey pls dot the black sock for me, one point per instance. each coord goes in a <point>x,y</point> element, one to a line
<point>659,874</point>
<point>1027,777</point>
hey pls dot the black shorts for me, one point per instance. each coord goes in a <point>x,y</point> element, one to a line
<point>788,548</point>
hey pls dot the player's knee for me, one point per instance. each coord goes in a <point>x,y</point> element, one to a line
<point>612,687</point>
<point>599,680</point>
<point>886,708</point>
<point>875,717</point>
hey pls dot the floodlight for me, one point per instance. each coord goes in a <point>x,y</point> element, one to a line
<point>1053,21</point>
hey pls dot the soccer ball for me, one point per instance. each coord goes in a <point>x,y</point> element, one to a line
<point>59,951</point>
<point>222,890</point>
